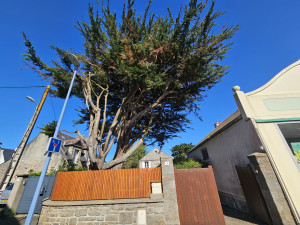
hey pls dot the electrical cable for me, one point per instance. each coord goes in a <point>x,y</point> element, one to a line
<point>53,108</point>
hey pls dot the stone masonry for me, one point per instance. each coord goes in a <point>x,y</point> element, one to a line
<point>271,190</point>
<point>159,209</point>
<point>117,213</point>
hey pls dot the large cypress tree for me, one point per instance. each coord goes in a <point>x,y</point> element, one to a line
<point>141,75</point>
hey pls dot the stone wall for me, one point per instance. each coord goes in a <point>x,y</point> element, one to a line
<point>36,165</point>
<point>235,202</point>
<point>3,169</point>
<point>159,209</point>
<point>276,202</point>
<point>99,213</point>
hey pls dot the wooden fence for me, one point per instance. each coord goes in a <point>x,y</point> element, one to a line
<point>104,184</point>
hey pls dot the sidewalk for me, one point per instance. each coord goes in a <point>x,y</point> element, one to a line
<point>235,217</point>
<point>17,220</point>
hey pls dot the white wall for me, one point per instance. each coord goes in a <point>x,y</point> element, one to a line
<point>227,150</point>
<point>284,164</point>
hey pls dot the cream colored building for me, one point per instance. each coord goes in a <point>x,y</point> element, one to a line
<point>267,121</point>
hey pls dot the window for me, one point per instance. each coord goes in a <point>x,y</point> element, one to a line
<point>291,133</point>
<point>204,154</point>
<point>87,160</point>
<point>75,156</point>
<point>147,164</point>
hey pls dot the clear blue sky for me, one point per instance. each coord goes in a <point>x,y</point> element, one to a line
<point>267,42</point>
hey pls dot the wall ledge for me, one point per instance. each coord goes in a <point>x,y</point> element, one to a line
<point>48,202</point>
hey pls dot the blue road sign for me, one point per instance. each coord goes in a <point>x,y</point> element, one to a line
<point>54,145</point>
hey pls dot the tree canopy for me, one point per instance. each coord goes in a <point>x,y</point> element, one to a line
<point>140,75</point>
<point>179,152</point>
<point>133,160</point>
<point>180,160</point>
<point>49,129</point>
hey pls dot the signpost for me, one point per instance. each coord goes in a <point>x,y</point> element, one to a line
<point>53,146</point>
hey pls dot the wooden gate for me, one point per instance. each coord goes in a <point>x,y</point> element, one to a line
<point>253,195</point>
<point>197,196</point>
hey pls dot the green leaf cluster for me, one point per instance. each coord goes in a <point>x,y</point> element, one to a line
<point>157,68</point>
<point>179,152</point>
<point>180,160</point>
<point>189,164</point>
<point>49,129</point>
<point>133,160</point>
<point>64,167</point>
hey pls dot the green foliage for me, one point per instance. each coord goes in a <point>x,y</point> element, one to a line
<point>179,152</point>
<point>32,173</point>
<point>180,160</point>
<point>49,129</point>
<point>64,167</point>
<point>133,160</point>
<point>154,69</point>
<point>188,164</point>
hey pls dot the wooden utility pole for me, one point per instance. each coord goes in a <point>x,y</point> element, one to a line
<point>18,152</point>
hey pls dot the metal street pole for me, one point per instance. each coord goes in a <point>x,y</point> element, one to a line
<point>47,161</point>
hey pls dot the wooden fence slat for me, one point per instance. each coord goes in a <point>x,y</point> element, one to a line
<point>104,184</point>
<point>197,196</point>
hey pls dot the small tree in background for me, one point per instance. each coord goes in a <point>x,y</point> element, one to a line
<point>180,160</point>
<point>133,160</point>
<point>142,74</point>
<point>49,129</point>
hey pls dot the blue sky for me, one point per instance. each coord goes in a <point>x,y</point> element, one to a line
<point>267,42</point>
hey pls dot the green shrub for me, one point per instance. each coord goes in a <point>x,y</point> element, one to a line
<point>64,167</point>
<point>189,164</point>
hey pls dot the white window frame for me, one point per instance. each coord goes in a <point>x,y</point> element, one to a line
<point>286,144</point>
<point>144,164</point>
<point>76,151</point>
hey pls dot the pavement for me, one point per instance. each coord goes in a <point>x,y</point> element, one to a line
<point>235,217</point>
<point>17,219</point>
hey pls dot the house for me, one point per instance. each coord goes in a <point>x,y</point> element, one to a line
<point>5,155</point>
<point>264,133</point>
<point>5,159</point>
<point>152,159</point>
<point>35,153</point>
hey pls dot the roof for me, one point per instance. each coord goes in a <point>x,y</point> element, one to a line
<point>104,184</point>
<point>65,137</point>
<point>155,154</point>
<point>233,118</point>
<point>7,153</point>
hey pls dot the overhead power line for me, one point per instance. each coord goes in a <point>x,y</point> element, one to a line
<point>24,87</point>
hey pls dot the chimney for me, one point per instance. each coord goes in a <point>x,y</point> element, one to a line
<point>217,123</point>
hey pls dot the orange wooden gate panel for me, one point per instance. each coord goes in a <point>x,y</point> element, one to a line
<point>198,198</point>
<point>104,184</point>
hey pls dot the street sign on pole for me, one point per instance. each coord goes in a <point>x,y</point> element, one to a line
<point>54,145</point>
<point>47,161</point>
